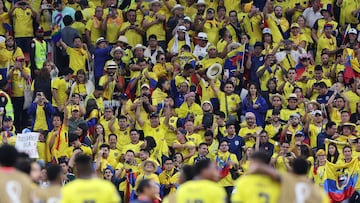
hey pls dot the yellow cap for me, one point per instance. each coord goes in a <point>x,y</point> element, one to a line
<point>320,152</point>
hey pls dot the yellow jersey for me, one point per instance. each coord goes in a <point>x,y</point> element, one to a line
<point>255,188</point>
<point>78,57</point>
<point>228,103</point>
<point>186,194</point>
<point>156,29</point>
<point>18,82</point>
<point>61,86</point>
<point>91,190</point>
<point>23,22</point>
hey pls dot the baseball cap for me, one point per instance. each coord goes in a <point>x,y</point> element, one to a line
<point>7,118</point>
<point>123,96</point>
<point>100,39</point>
<point>292,96</point>
<point>299,134</point>
<point>75,108</point>
<point>145,85</point>
<point>320,152</point>
<point>353,31</point>
<point>295,115</point>
<point>267,31</point>
<point>183,131</point>
<point>294,25</point>
<point>259,44</point>
<point>153,115</point>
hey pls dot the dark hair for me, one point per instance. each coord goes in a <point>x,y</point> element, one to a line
<point>187,172</point>
<point>79,16</point>
<point>152,36</point>
<point>229,82</point>
<point>186,47</point>
<point>318,67</point>
<point>160,83</point>
<point>261,157</point>
<point>8,155</point>
<point>83,164</point>
<point>347,146</point>
<point>76,37</point>
<point>222,32</point>
<point>248,96</point>
<point>220,7</point>
<point>208,133</point>
<point>67,20</point>
<point>133,129</point>
<point>329,124</point>
<point>150,143</point>
<point>201,144</point>
<point>131,151</point>
<point>53,172</point>
<point>145,150</point>
<point>122,117</point>
<point>304,151</point>
<point>285,142</point>
<point>112,134</point>
<point>104,145</point>
<point>188,66</point>
<point>300,166</point>
<point>201,165</point>
<point>336,154</point>
<point>145,183</point>
<point>5,9</point>
<point>221,114</point>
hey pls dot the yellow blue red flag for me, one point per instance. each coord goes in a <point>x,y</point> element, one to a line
<point>340,180</point>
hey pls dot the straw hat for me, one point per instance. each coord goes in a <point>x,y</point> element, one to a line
<point>115,50</point>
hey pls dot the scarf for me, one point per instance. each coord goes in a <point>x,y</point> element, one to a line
<point>175,47</point>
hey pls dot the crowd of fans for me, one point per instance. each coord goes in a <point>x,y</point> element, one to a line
<point>130,85</point>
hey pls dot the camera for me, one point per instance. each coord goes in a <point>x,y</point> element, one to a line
<point>297,4</point>
<point>288,154</point>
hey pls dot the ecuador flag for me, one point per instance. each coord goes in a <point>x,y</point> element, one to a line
<point>340,180</point>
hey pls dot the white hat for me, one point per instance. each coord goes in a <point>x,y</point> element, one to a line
<point>177,6</point>
<point>100,39</point>
<point>145,85</point>
<point>201,2</point>
<point>316,112</point>
<point>181,28</point>
<point>111,65</point>
<point>353,31</point>
<point>155,2</point>
<point>123,39</point>
<point>116,49</point>
<point>2,39</point>
<point>266,31</point>
<point>202,35</point>
<point>233,45</point>
<point>138,46</point>
<point>187,18</point>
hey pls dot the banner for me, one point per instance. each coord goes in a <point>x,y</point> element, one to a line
<point>341,179</point>
<point>27,143</point>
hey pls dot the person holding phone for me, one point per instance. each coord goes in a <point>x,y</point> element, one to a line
<point>41,111</point>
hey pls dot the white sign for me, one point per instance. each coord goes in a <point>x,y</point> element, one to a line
<point>27,143</point>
